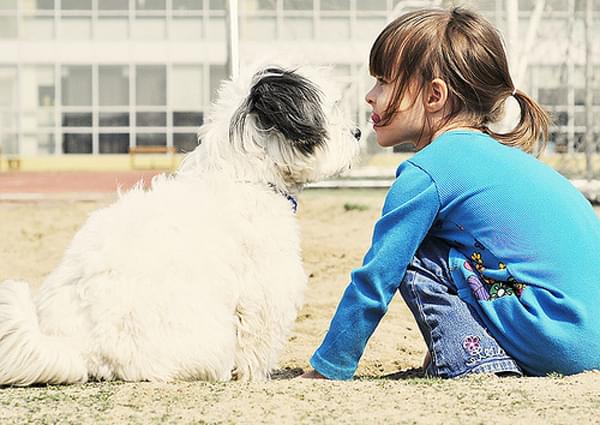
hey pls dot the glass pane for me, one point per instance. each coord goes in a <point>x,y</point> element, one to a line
<point>217,75</point>
<point>258,5</point>
<point>112,28</point>
<point>37,27</point>
<point>114,119</point>
<point>151,119</point>
<point>335,29</point>
<point>77,85</point>
<point>187,119</point>
<point>150,4</point>
<point>8,120</point>
<point>149,28</point>
<point>186,86</point>
<point>185,142</point>
<point>75,28</point>
<point>9,143</point>
<point>258,28</point>
<point>151,139</point>
<point>187,4</point>
<point>186,28</point>
<point>8,86</point>
<point>37,87</point>
<point>335,4</point>
<point>8,5</point>
<point>77,119</point>
<point>113,4</point>
<point>216,4</point>
<point>371,5</point>
<point>77,143</point>
<point>151,85</point>
<point>32,5</point>
<point>297,4</point>
<point>297,28</point>
<point>8,27</point>
<point>113,85</point>
<point>553,96</point>
<point>76,4</point>
<point>113,143</point>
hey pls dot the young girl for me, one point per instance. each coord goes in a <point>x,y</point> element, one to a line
<point>495,253</point>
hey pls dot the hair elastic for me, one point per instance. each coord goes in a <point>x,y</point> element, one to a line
<point>514,92</point>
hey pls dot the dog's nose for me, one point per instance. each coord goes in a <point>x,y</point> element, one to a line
<point>356,133</point>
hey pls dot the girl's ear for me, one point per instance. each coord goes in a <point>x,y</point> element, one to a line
<point>436,95</point>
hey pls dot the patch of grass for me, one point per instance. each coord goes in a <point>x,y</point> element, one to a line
<point>350,206</point>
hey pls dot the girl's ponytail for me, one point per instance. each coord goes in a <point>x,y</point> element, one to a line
<point>531,132</point>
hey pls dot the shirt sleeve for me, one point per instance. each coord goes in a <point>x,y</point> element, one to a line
<point>409,211</point>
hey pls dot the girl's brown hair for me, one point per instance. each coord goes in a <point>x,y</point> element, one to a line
<point>466,51</point>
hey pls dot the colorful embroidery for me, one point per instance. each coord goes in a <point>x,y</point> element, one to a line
<point>500,289</point>
<point>472,344</point>
<point>479,290</point>
<point>485,288</point>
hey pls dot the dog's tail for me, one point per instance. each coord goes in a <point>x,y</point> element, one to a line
<point>26,355</point>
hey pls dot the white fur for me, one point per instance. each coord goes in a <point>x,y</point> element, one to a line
<point>199,277</point>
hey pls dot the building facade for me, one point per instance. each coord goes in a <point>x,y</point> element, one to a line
<point>100,76</point>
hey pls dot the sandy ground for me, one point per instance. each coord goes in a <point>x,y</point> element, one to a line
<point>336,229</point>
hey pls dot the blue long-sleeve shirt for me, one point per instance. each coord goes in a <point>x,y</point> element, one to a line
<point>525,254</point>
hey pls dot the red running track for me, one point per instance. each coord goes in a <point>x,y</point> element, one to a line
<point>71,181</point>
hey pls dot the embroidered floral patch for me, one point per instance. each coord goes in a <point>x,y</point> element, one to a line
<point>485,288</point>
<point>472,344</point>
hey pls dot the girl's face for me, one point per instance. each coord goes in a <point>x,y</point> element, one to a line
<point>408,124</point>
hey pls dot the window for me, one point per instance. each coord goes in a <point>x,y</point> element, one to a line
<point>77,143</point>
<point>187,5</point>
<point>113,85</point>
<point>77,85</point>
<point>368,27</point>
<point>37,97</point>
<point>335,4</point>
<point>37,144</point>
<point>151,85</point>
<point>379,5</point>
<point>151,139</point>
<point>217,4</point>
<point>76,4</point>
<point>298,4</point>
<point>8,26</point>
<point>113,143</point>
<point>113,4</point>
<point>186,86</point>
<point>150,4</point>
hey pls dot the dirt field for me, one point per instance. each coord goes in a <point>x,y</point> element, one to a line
<point>336,229</point>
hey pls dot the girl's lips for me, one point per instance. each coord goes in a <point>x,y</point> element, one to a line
<point>375,118</point>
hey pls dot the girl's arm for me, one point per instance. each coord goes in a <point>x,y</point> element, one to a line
<point>409,211</point>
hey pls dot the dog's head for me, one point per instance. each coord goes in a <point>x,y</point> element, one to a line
<point>288,120</point>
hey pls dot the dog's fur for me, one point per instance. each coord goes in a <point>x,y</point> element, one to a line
<point>199,277</point>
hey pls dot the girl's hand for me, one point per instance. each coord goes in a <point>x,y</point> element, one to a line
<point>312,374</point>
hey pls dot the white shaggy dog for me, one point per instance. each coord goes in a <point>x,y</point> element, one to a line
<point>199,277</point>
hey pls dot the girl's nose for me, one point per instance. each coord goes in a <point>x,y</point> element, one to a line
<point>369,97</point>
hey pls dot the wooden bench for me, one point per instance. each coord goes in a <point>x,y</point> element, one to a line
<point>13,162</point>
<point>151,149</point>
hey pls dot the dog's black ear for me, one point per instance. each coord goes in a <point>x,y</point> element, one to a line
<point>284,101</point>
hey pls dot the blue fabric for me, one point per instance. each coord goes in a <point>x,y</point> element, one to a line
<point>455,336</point>
<point>525,255</point>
